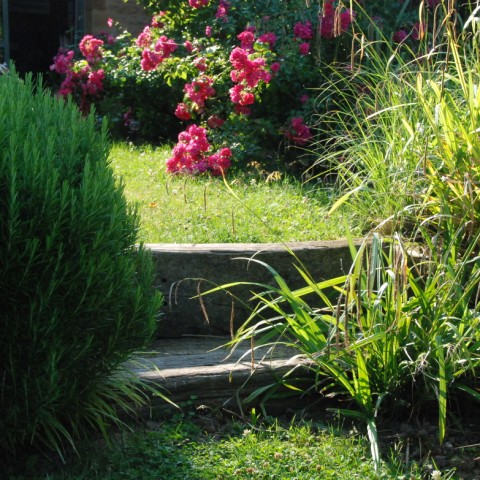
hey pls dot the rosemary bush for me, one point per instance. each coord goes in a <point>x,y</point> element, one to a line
<point>76,294</point>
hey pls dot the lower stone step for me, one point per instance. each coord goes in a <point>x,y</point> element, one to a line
<point>201,366</point>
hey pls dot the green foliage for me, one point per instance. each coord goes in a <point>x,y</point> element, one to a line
<point>450,105</point>
<point>403,135</point>
<point>76,293</point>
<point>374,143</point>
<point>260,128</point>
<point>400,333</point>
<point>150,98</point>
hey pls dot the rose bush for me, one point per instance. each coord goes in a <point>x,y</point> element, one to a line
<point>242,73</point>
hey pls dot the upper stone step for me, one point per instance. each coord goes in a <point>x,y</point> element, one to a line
<point>184,271</point>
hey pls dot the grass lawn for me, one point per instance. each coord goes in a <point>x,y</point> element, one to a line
<point>208,446</point>
<point>186,209</point>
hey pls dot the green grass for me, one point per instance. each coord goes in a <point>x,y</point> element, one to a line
<point>185,209</point>
<point>181,449</point>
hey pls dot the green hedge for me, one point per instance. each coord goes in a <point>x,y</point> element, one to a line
<point>76,294</point>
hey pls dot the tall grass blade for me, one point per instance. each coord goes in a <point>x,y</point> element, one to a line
<point>442,389</point>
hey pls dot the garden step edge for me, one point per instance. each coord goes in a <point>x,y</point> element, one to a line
<point>199,366</point>
<point>183,271</point>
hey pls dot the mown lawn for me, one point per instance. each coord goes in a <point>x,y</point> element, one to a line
<point>248,207</point>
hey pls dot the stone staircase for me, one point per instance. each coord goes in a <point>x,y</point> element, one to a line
<point>189,357</point>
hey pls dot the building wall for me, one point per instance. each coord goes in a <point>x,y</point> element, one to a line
<point>132,17</point>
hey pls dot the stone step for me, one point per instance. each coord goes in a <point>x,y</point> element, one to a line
<point>201,366</point>
<point>183,271</point>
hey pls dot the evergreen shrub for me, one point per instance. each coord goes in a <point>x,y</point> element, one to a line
<point>76,293</point>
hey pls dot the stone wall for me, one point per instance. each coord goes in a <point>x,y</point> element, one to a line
<point>132,17</point>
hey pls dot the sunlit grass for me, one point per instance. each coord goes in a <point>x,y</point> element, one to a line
<point>181,449</point>
<point>186,209</point>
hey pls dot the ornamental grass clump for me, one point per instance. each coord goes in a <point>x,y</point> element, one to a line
<point>402,134</point>
<point>403,333</point>
<point>76,293</point>
<point>403,336</point>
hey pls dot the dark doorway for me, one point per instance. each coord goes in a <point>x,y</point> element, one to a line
<point>37,29</point>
